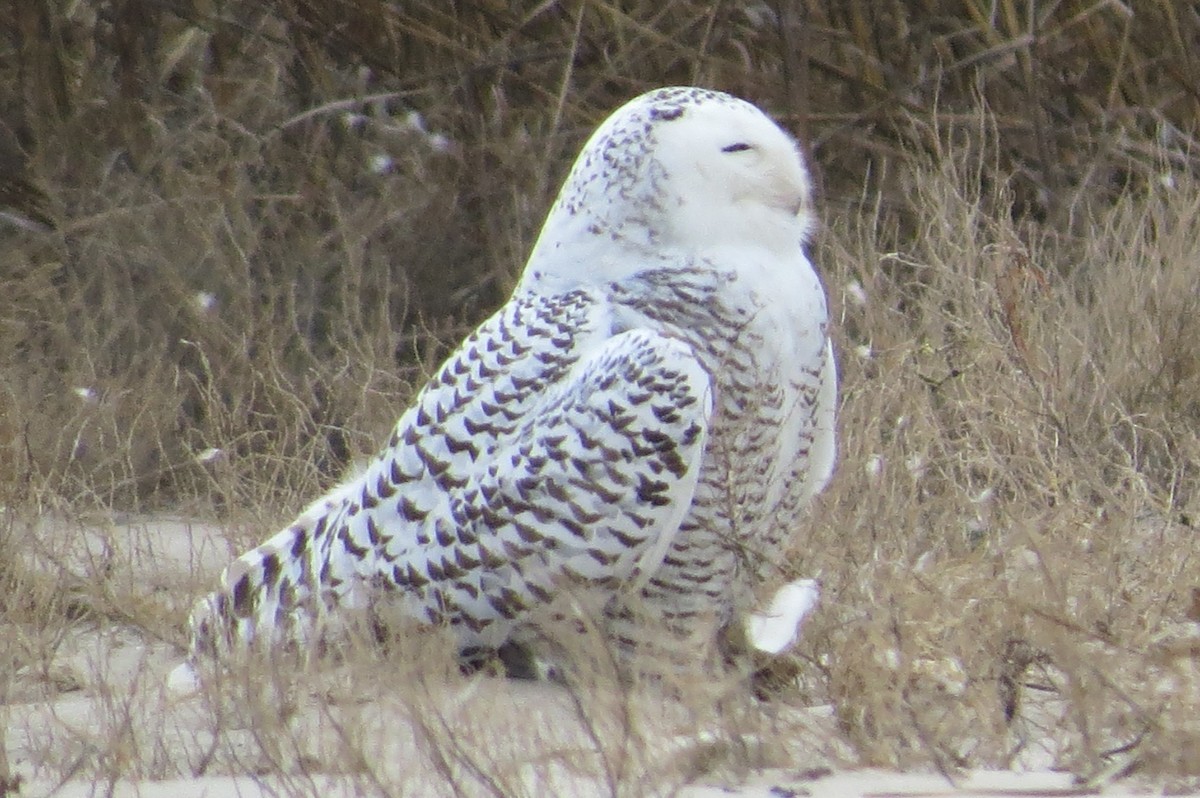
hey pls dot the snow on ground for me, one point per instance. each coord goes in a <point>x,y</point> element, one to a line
<point>96,719</point>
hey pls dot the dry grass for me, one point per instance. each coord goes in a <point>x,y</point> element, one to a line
<point>267,228</point>
<point>90,705</point>
<point>1016,480</point>
<point>276,216</point>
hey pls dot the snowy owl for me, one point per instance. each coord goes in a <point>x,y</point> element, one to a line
<point>646,418</point>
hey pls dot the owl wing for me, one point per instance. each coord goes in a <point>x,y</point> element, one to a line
<point>545,451</point>
<point>589,492</point>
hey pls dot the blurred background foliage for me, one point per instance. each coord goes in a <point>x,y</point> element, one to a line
<point>235,234</point>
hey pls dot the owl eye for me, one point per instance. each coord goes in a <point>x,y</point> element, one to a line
<point>741,146</point>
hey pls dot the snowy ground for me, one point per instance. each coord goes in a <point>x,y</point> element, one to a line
<point>93,717</point>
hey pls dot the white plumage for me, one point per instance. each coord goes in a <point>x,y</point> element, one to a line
<point>776,629</point>
<point>647,415</point>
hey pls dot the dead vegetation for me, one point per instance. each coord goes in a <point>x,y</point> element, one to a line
<point>236,235</point>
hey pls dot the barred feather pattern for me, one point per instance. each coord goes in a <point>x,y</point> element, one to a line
<point>642,423</point>
<point>516,471</point>
<point>759,471</point>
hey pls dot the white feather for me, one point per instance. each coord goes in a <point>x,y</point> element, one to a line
<point>777,629</point>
